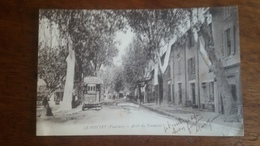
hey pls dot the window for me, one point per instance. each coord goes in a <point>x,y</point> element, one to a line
<point>98,87</point>
<point>211,92</point>
<point>229,43</point>
<point>191,66</point>
<point>205,92</point>
<point>223,45</point>
<point>180,93</point>
<point>193,95</point>
<point>179,63</point>
<point>173,98</point>
<point>234,33</point>
<point>208,92</point>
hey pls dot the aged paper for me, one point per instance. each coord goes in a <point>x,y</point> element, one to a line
<point>139,72</point>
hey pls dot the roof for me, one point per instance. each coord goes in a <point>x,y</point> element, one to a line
<point>93,80</point>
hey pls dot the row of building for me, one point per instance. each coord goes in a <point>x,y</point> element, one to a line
<point>186,78</point>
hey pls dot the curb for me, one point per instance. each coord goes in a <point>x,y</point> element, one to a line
<point>180,118</point>
<point>162,112</point>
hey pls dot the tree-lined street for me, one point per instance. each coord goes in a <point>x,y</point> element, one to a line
<point>171,59</point>
<point>117,117</point>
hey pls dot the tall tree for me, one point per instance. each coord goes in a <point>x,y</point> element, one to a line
<point>134,63</point>
<point>118,79</point>
<point>52,67</point>
<point>92,36</point>
<point>51,57</point>
<point>107,74</point>
<point>155,28</point>
<point>216,66</point>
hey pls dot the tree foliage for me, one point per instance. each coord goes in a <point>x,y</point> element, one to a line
<point>118,83</point>
<point>107,74</point>
<point>92,34</point>
<point>154,28</point>
<point>52,67</point>
<point>134,63</point>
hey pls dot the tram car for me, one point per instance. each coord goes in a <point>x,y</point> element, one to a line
<point>92,93</point>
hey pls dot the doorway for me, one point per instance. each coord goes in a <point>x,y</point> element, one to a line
<point>192,86</point>
<point>169,93</point>
<point>180,93</point>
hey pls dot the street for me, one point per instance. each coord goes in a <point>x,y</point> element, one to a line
<point>124,118</point>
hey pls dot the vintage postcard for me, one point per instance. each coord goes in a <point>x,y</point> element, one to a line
<point>139,72</point>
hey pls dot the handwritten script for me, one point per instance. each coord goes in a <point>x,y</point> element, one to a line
<point>192,124</point>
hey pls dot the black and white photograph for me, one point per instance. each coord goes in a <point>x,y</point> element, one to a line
<point>139,72</point>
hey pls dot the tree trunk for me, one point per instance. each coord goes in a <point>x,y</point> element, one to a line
<point>160,88</point>
<point>68,90</point>
<point>80,78</point>
<point>48,111</point>
<point>139,93</point>
<point>230,106</point>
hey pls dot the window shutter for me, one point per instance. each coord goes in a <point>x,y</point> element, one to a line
<point>172,66</point>
<point>193,65</point>
<point>229,41</point>
<point>189,67</point>
<point>234,39</point>
<point>223,45</point>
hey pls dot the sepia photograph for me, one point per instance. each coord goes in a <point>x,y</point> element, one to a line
<point>162,72</point>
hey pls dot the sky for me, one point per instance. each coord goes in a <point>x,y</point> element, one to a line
<point>124,39</point>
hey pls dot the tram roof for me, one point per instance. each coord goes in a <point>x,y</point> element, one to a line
<point>93,80</point>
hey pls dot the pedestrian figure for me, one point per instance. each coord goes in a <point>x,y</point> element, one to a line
<point>45,102</point>
<point>49,112</point>
<point>73,102</point>
<point>46,105</point>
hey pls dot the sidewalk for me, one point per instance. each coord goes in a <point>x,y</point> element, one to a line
<point>193,115</point>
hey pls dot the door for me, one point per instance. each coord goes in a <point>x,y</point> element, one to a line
<point>98,91</point>
<point>192,86</point>
<point>169,93</point>
<point>160,82</point>
<point>173,98</point>
<point>180,93</point>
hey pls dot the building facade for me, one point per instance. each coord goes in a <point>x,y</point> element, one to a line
<point>225,33</point>
<point>188,80</point>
